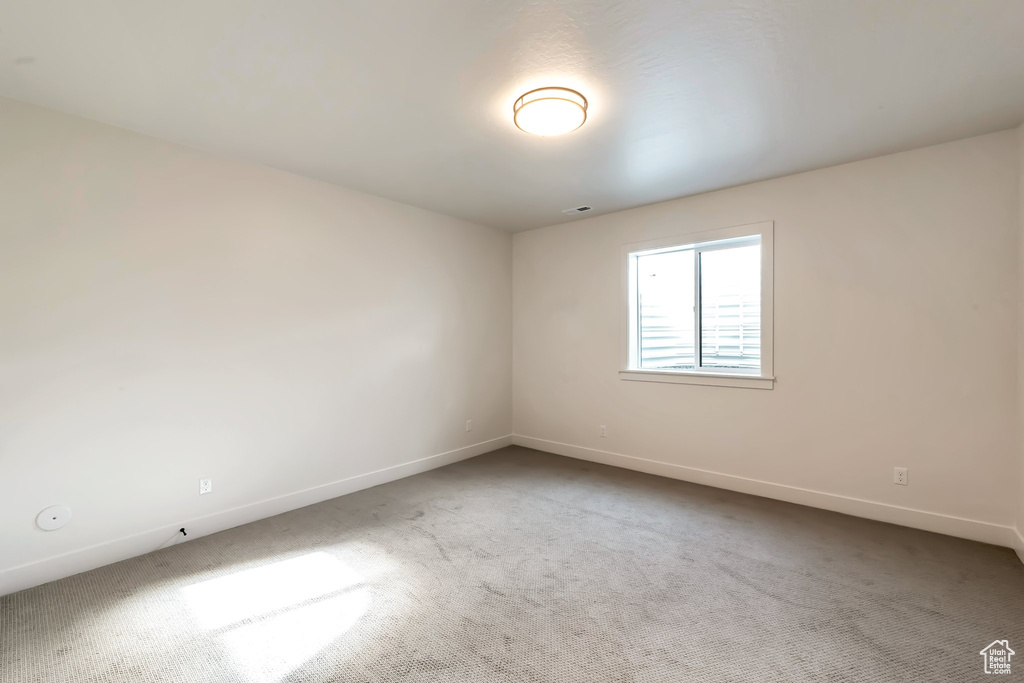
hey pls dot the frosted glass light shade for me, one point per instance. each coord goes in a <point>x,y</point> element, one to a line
<point>550,111</point>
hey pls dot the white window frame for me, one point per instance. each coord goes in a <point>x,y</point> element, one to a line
<point>702,241</point>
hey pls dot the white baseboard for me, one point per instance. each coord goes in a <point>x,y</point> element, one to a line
<point>961,527</point>
<point>1018,543</point>
<point>77,561</point>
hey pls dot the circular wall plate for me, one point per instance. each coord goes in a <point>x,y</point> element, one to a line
<point>53,517</point>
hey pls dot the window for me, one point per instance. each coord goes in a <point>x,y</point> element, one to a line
<point>699,308</point>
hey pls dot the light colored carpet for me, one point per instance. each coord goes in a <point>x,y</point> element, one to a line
<point>524,566</point>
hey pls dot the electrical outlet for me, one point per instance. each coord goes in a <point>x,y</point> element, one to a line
<point>205,486</point>
<point>604,432</point>
<point>469,425</point>
<point>899,476</point>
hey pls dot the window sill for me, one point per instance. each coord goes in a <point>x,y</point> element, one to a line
<point>704,378</point>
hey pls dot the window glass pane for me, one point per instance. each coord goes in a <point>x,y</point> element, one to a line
<point>665,302</point>
<point>730,289</point>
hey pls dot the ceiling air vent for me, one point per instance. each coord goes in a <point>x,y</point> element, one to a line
<point>578,209</point>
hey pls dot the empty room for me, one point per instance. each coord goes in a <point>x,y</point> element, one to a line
<point>511,341</point>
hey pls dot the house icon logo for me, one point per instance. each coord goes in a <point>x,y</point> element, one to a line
<point>997,657</point>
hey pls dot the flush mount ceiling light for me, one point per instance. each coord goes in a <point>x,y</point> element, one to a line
<point>550,111</point>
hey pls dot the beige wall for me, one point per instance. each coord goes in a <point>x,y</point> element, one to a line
<point>1020,341</point>
<point>895,328</point>
<point>168,316</point>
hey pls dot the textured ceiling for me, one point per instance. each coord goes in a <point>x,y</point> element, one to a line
<point>412,99</point>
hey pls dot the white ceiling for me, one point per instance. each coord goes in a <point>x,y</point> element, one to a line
<point>412,99</point>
